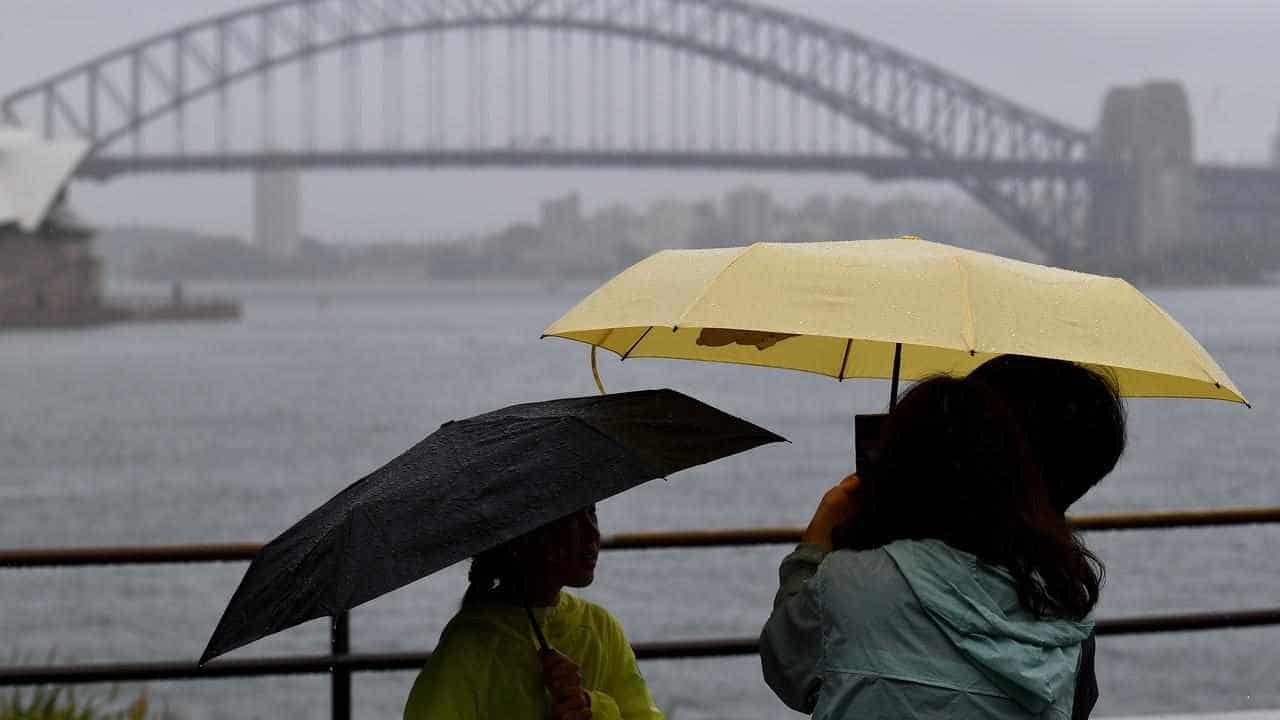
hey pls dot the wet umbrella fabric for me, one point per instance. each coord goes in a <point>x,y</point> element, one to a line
<point>895,307</point>
<point>468,487</point>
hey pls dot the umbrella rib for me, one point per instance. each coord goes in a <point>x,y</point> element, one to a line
<point>627,354</point>
<point>848,343</point>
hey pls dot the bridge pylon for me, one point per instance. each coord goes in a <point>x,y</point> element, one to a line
<point>1275,146</point>
<point>1142,219</point>
<point>277,212</point>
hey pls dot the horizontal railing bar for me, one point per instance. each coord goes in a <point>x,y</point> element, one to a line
<point>128,555</point>
<point>1188,622</point>
<point>667,650</point>
<point>1164,519</point>
<point>662,539</point>
<point>651,540</point>
<point>1161,519</point>
<point>313,664</point>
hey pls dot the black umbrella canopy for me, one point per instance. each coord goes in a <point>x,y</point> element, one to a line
<point>470,486</point>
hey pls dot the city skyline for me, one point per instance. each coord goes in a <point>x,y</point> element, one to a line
<point>1235,108</point>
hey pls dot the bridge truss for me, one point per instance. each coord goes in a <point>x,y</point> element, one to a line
<point>718,84</point>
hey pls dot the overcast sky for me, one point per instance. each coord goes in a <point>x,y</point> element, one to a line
<point>1056,56</point>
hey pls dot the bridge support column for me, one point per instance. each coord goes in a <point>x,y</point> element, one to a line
<point>277,212</point>
<point>1275,147</point>
<point>1145,223</point>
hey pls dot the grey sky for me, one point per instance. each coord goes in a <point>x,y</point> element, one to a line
<point>1056,56</point>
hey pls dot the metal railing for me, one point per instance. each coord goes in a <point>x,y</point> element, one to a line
<point>341,664</point>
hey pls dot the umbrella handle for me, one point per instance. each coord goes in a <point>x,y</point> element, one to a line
<point>595,370</point>
<point>537,629</point>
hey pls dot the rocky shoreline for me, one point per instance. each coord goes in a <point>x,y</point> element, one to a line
<point>125,311</point>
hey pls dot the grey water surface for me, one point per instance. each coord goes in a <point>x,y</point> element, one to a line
<point>231,432</point>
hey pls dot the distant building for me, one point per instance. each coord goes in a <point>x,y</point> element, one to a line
<point>277,212</point>
<point>561,223</point>
<point>708,230</point>
<point>748,216</point>
<point>48,273</point>
<point>667,224</point>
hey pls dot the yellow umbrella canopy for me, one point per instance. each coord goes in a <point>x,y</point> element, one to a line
<point>842,308</point>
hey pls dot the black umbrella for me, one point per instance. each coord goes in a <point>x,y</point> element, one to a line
<point>470,486</point>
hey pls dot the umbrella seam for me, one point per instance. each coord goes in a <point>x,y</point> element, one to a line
<point>720,273</point>
<point>1183,336</point>
<point>626,450</point>
<point>339,562</point>
<point>972,333</point>
<point>381,532</point>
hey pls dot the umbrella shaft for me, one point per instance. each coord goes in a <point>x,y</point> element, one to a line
<point>339,645</point>
<point>897,368</point>
<point>537,629</point>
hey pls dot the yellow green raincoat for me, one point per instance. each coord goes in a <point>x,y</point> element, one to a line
<point>486,665</point>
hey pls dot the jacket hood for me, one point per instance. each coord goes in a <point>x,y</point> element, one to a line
<point>976,607</point>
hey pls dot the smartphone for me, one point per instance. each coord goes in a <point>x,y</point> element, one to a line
<point>866,439</point>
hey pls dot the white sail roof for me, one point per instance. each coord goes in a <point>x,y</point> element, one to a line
<point>32,173</point>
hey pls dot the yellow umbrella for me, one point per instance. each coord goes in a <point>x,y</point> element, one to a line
<point>859,309</point>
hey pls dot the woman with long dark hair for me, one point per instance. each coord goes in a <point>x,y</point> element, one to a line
<point>1074,421</point>
<point>487,663</point>
<point>942,583</point>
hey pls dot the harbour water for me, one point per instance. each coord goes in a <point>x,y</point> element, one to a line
<point>228,432</point>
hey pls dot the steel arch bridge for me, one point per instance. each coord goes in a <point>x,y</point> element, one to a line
<point>627,83</point>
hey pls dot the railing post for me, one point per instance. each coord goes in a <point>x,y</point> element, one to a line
<point>340,644</point>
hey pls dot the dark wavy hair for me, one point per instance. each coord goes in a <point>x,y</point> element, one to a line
<point>954,466</point>
<point>1072,416</point>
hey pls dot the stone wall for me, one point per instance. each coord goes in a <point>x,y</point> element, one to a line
<point>45,276</point>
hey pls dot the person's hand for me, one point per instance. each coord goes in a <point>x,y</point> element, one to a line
<point>837,506</point>
<point>578,708</point>
<point>564,680</point>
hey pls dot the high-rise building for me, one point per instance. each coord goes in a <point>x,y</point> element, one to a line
<point>277,213</point>
<point>748,213</point>
<point>562,223</point>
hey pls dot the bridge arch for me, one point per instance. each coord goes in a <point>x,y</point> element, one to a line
<point>922,112</point>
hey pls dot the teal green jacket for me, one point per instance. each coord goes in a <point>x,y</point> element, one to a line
<point>915,630</point>
<point>486,665</point>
